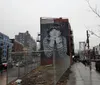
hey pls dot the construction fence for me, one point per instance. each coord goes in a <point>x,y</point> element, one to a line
<point>25,62</point>
<point>21,63</point>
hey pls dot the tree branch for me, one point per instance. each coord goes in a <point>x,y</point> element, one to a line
<point>94,10</point>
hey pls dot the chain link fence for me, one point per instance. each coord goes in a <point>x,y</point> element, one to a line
<point>24,62</point>
<point>21,63</point>
<point>61,64</point>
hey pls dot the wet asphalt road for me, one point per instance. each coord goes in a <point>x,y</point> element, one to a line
<point>81,75</point>
<point>3,78</point>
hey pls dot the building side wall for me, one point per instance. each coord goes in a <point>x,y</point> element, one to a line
<point>4,39</point>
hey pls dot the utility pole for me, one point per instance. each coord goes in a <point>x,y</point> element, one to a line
<point>88,48</point>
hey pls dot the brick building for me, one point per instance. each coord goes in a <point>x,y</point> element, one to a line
<point>17,46</point>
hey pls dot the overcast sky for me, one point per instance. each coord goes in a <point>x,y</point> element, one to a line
<point>21,15</point>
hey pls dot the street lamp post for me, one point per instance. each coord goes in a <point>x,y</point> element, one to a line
<point>92,33</point>
<point>88,48</point>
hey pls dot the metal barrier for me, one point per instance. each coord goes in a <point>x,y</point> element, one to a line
<point>21,63</point>
<point>61,64</point>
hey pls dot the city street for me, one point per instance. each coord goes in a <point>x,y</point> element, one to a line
<point>50,42</point>
<point>81,75</point>
<point>13,74</point>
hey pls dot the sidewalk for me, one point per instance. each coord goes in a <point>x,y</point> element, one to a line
<point>81,75</point>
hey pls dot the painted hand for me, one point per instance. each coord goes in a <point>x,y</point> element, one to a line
<point>59,42</point>
<point>52,39</point>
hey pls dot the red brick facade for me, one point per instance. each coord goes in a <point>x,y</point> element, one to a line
<point>17,46</point>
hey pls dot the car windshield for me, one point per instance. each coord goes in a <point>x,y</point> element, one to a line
<point>4,62</point>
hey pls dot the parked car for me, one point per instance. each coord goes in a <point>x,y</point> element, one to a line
<point>7,65</point>
<point>20,64</point>
<point>75,58</point>
<point>97,65</point>
<point>4,65</point>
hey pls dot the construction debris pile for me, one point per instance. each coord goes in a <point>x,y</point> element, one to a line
<point>44,75</point>
<point>41,76</point>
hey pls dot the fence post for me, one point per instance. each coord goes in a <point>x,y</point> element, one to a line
<point>25,51</point>
<point>18,70</point>
<point>54,64</point>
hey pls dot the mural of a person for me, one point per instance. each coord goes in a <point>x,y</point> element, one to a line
<point>54,35</point>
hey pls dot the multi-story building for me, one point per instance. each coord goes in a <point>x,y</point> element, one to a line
<point>17,46</point>
<point>47,23</point>
<point>96,50</point>
<point>5,45</point>
<point>27,40</point>
<point>72,42</point>
<point>56,39</point>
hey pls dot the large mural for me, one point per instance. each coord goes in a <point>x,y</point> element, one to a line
<point>55,44</point>
<point>54,35</point>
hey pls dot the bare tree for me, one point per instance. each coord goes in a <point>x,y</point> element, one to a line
<point>94,10</point>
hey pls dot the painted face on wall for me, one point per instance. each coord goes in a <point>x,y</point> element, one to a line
<point>55,33</point>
